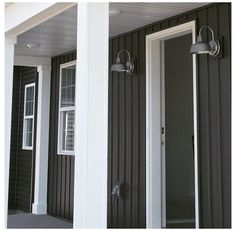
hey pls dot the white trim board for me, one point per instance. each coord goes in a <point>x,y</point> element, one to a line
<point>42,141</point>
<point>155,208</point>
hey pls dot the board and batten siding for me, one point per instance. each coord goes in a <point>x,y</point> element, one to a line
<point>60,167</point>
<point>127,124</point>
<point>21,177</point>
<point>127,129</point>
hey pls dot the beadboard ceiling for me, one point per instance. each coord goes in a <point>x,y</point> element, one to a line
<point>58,34</point>
<point>135,15</point>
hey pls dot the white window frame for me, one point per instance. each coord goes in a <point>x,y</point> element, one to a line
<point>60,109</point>
<point>24,146</point>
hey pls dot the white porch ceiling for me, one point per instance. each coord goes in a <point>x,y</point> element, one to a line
<point>55,36</point>
<point>135,15</point>
<point>58,34</point>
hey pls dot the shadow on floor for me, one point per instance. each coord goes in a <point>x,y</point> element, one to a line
<point>28,220</point>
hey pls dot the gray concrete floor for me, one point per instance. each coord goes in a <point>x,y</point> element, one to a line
<point>32,221</point>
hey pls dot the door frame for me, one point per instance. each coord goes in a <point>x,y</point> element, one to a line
<point>155,192</point>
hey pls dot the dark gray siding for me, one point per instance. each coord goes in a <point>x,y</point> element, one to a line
<point>60,167</point>
<point>127,124</point>
<point>14,137</point>
<point>126,150</point>
<point>127,127</point>
<point>21,178</point>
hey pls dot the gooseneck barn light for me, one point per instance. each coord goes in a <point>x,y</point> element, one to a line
<point>201,47</point>
<point>129,67</point>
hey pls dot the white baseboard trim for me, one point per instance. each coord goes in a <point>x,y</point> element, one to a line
<point>39,208</point>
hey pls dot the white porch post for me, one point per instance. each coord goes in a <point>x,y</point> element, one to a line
<point>90,195</point>
<point>42,140</point>
<point>9,62</point>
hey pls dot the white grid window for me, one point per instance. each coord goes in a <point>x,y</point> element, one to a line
<point>66,119</point>
<point>28,122</point>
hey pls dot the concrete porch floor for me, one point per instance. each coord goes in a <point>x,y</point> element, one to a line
<point>28,220</point>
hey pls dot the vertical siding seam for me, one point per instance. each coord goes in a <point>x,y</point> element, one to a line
<point>56,133</point>
<point>230,131</point>
<point>60,158</point>
<point>69,183</point>
<point>59,176</point>
<point>49,184</point>
<point>18,137</point>
<point>54,143</point>
<point>118,136</point>
<point>53,87</point>
<point>209,132</point>
<point>53,138</point>
<point>65,186</point>
<point>139,123</point>
<point>132,137</point>
<point>18,131</point>
<point>111,154</point>
<point>124,138</point>
<point>220,124</point>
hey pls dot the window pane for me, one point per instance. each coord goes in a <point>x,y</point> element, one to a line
<point>70,131</point>
<point>30,93</point>
<point>68,77</point>
<point>29,125</point>
<point>28,139</point>
<point>67,96</point>
<point>63,77</point>
<point>29,107</point>
<point>28,132</point>
<point>68,86</point>
<point>73,76</point>
<point>29,101</point>
<point>68,120</point>
<point>63,130</point>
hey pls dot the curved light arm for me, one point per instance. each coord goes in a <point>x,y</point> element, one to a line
<point>212,33</point>
<point>118,56</point>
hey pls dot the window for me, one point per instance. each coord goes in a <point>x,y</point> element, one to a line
<point>28,122</point>
<point>66,118</point>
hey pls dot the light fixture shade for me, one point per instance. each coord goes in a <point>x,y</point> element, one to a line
<point>200,48</point>
<point>128,67</point>
<point>118,67</point>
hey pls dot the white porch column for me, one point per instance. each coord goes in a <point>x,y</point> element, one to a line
<point>42,140</point>
<point>90,189</point>
<point>9,62</point>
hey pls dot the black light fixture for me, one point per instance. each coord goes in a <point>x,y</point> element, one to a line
<point>129,67</point>
<point>201,47</point>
